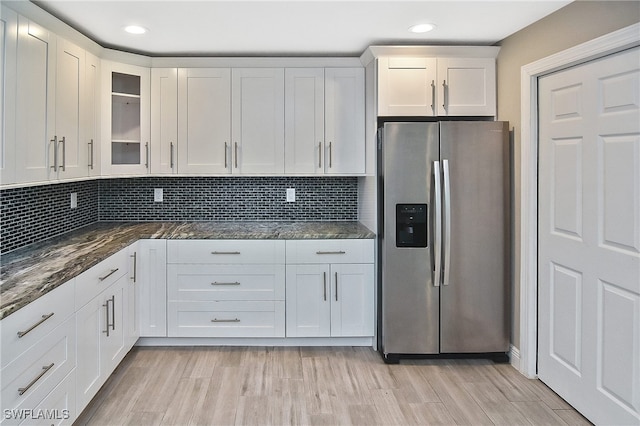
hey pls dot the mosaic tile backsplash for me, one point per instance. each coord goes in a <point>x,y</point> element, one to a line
<point>35,213</point>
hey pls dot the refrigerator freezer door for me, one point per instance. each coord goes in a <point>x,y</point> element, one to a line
<point>409,298</point>
<point>475,302</point>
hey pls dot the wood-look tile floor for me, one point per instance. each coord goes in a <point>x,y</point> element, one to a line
<point>317,386</point>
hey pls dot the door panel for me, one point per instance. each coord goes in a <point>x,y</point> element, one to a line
<point>589,237</point>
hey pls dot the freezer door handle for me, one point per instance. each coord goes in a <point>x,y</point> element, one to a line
<point>437,232</point>
<point>447,222</point>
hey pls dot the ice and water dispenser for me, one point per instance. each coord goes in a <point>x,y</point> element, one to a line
<point>411,225</point>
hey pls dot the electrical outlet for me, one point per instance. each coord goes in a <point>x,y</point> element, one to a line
<point>291,195</point>
<point>74,200</point>
<point>158,196</point>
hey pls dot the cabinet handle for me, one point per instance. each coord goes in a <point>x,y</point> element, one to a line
<point>331,252</point>
<point>45,368</point>
<point>146,156</point>
<point>225,252</point>
<point>445,95</point>
<point>171,162</point>
<point>226,164</point>
<point>106,310</point>
<point>113,310</point>
<point>44,318</point>
<point>336,286</point>
<point>225,320</point>
<point>433,96</point>
<point>319,155</point>
<point>236,154</point>
<point>330,154</point>
<point>217,283</point>
<point>91,154</point>
<point>55,153</point>
<point>113,271</point>
<point>135,266</point>
<point>63,141</point>
<point>324,280</point>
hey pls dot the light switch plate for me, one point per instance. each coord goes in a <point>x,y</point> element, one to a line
<point>158,196</point>
<point>291,195</point>
<point>74,200</point>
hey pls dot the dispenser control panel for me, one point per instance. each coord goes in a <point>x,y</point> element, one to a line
<point>411,225</point>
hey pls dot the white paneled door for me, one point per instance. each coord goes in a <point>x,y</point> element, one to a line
<point>589,237</point>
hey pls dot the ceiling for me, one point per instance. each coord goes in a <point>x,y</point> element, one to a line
<point>294,27</point>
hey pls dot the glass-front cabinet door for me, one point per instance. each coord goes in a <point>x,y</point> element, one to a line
<point>128,120</point>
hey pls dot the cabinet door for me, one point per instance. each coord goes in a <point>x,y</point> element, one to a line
<point>308,301</point>
<point>258,120</point>
<point>114,343</point>
<point>466,86</point>
<point>35,103</point>
<point>204,120</point>
<point>131,301</point>
<point>151,280</point>
<point>90,326</point>
<point>407,86</point>
<point>8,46</point>
<point>91,113</point>
<point>126,121</point>
<point>164,120</point>
<point>304,120</point>
<point>344,121</point>
<point>352,301</point>
<point>70,86</point>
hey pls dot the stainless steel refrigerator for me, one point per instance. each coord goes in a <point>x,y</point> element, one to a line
<point>443,238</point>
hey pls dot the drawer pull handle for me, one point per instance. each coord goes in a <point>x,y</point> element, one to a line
<point>44,318</point>
<point>225,252</point>
<point>331,252</point>
<point>217,283</point>
<point>225,320</point>
<point>113,271</point>
<point>45,368</point>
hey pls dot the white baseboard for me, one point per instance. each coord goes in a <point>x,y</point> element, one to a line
<point>288,341</point>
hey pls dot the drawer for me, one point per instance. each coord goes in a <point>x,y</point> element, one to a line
<point>28,325</point>
<point>92,282</point>
<point>225,251</point>
<point>60,405</point>
<point>40,369</point>
<point>226,319</point>
<point>330,251</point>
<point>226,282</point>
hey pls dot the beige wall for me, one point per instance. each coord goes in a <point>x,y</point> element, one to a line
<point>575,23</point>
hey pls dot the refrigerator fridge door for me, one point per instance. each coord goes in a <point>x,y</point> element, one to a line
<point>474,308</point>
<point>409,311</point>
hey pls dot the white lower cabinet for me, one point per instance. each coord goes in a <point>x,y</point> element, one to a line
<point>32,377</point>
<point>327,298</point>
<point>330,300</point>
<point>151,283</point>
<point>101,340</point>
<point>59,407</point>
<point>211,294</point>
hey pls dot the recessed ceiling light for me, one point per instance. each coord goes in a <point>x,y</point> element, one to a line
<point>135,29</point>
<point>422,28</point>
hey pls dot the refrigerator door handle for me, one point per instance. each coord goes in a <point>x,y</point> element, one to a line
<point>437,232</point>
<point>447,222</point>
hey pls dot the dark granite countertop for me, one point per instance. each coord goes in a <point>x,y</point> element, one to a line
<point>30,272</point>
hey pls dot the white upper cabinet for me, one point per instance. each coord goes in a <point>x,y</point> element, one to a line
<point>126,119</point>
<point>91,113</point>
<point>344,121</point>
<point>257,99</point>
<point>35,103</point>
<point>8,46</point>
<point>466,86</point>
<point>436,86</point>
<point>204,121</point>
<point>304,121</point>
<point>164,120</point>
<point>324,121</point>
<point>70,157</point>
<point>407,86</point>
